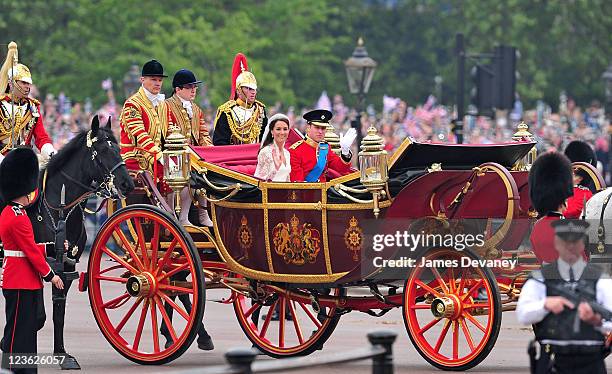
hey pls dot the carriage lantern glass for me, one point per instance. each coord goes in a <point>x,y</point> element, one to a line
<point>373,161</point>
<point>176,160</point>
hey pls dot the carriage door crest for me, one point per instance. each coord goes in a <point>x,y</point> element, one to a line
<point>353,238</point>
<point>296,244</point>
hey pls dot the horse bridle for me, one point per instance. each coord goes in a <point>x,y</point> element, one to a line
<point>103,190</point>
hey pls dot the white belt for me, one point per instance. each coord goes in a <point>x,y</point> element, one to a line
<point>8,253</point>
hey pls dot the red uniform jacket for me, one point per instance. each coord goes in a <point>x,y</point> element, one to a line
<point>543,238</point>
<point>142,130</point>
<point>304,155</point>
<point>576,203</point>
<point>16,233</point>
<point>30,126</point>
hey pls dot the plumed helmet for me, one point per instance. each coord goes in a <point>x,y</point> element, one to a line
<point>579,151</point>
<point>18,173</point>
<point>550,182</point>
<point>241,76</point>
<point>12,70</point>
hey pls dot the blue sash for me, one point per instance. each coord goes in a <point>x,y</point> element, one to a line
<point>316,172</point>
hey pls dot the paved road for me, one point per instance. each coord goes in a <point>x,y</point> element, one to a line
<point>85,341</point>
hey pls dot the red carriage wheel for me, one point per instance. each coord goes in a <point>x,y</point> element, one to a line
<point>145,276</point>
<point>452,314</point>
<point>299,329</point>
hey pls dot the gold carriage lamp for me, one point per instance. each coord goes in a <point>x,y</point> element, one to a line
<point>373,165</point>
<point>523,134</point>
<point>176,163</point>
<point>332,139</point>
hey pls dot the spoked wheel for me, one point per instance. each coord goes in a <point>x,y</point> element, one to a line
<point>299,329</point>
<point>145,277</point>
<point>452,313</point>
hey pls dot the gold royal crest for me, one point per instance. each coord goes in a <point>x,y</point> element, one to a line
<point>296,244</point>
<point>245,235</point>
<point>353,238</point>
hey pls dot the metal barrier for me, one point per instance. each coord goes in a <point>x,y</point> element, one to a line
<point>242,360</point>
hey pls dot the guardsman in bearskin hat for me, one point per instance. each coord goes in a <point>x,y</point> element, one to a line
<point>24,261</point>
<point>550,184</point>
<point>242,119</point>
<point>571,335</point>
<point>20,118</point>
<point>579,151</point>
<point>310,158</point>
<point>189,118</point>
<point>145,120</point>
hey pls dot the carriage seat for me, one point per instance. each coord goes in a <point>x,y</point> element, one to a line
<point>241,158</point>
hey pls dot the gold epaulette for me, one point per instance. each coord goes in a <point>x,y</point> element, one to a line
<point>296,144</point>
<point>34,101</point>
<point>260,103</point>
<point>227,106</point>
<point>4,97</point>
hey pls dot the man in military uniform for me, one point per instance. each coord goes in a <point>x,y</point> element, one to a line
<point>310,158</point>
<point>579,151</point>
<point>189,118</point>
<point>145,120</point>
<point>24,261</point>
<point>242,119</point>
<point>550,184</point>
<point>20,118</point>
<point>571,337</point>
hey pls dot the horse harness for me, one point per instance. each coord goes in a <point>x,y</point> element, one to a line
<point>601,229</point>
<point>103,189</point>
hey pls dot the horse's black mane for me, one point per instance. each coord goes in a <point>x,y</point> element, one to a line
<point>74,145</point>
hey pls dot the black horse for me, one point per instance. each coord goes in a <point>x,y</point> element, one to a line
<point>89,165</point>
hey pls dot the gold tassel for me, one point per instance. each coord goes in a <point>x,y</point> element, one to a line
<point>11,60</point>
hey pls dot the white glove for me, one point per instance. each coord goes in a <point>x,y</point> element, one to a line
<point>47,151</point>
<point>347,140</point>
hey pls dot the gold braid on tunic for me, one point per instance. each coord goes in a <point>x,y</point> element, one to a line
<point>247,132</point>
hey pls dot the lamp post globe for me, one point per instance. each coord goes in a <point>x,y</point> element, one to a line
<point>360,70</point>
<point>131,81</point>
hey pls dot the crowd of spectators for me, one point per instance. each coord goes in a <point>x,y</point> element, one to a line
<point>397,120</point>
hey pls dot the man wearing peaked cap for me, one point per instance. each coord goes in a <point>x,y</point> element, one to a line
<point>579,151</point>
<point>242,119</point>
<point>24,261</point>
<point>571,336</point>
<point>311,158</point>
<point>145,120</point>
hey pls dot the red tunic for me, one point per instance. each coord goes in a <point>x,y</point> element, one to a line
<point>16,233</point>
<point>304,158</point>
<point>142,130</point>
<point>30,126</point>
<point>543,238</point>
<point>576,203</point>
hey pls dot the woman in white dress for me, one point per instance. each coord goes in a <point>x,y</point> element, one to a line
<point>273,159</point>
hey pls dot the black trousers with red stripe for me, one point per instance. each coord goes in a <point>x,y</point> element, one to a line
<point>24,317</point>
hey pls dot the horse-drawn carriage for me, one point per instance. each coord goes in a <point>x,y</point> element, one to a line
<point>300,250</point>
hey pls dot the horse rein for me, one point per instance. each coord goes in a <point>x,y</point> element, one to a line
<point>103,189</point>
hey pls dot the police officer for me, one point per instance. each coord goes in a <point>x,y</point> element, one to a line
<point>565,349</point>
<point>24,261</point>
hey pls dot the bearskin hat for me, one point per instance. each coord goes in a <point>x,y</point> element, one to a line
<point>579,151</point>
<point>18,173</point>
<point>550,182</point>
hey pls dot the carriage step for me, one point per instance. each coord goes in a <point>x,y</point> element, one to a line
<point>196,229</point>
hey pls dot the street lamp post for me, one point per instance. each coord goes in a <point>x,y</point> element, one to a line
<point>359,72</point>
<point>607,77</point>
<point>131,81</point>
